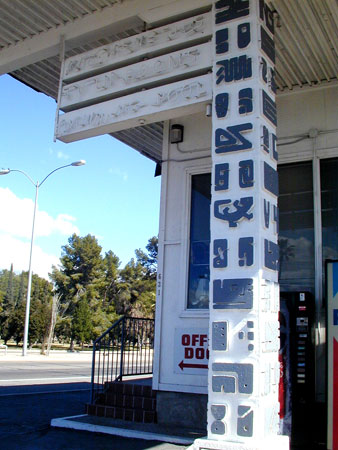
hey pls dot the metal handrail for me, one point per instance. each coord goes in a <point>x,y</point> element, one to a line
<point>126,348</point>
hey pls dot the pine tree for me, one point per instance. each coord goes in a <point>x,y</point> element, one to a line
<point>149,260</point>
<point>6,318</point>
<point>82,322</point>
<point>81,274</point>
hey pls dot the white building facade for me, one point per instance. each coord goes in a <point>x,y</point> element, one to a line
<point>226,97</point>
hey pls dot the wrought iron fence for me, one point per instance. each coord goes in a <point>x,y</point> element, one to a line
<point>126,348</point>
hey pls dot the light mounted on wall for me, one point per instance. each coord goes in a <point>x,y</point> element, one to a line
<point>176,133</point>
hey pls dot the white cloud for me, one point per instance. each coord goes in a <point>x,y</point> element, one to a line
<point>17,216</point>
<point>16,229</point>
<point>15,251</point>
<point>62,155</point>
<point>46,225</point>
<point>119,173</point>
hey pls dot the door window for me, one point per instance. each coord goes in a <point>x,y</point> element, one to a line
<point>199,274</point>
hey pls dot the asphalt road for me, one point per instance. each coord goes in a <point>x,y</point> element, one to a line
<point>29,399</point>
<point>36,369</point>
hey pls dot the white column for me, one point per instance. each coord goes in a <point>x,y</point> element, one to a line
<point>244,374</point>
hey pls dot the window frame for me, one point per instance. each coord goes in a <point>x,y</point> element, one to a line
<point>184,310</point>
<point>290,158</point>
<point>315,156</point>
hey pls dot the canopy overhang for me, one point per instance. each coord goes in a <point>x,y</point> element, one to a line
<point>31,34</point>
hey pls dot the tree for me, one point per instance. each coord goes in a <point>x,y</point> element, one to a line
<point>12,315</point>
<point>40,310</point>
<point>111,262</point>
<point>81,274</point>
<point>149,260</point>
<point>22,290</point>
<point>53,318</point>
<point>82,323</point>
<point>82,268</point>
<point>137,290</point>
<point>8,308</point>
<point>17,323</point>
<point>90,292</point>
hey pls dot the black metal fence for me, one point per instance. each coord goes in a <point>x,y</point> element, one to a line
<point>126,348</point>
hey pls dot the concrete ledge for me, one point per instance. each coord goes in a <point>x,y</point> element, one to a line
<point>79,423</point>
<point>181,409</point>
<point>276,443</point>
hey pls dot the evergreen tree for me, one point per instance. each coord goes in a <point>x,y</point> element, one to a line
<point>22,290</point>
<point>136,296</point>
<point>8,309</point>
<point>82,273</point>
<point>111,262</point>
<point>149,260</point>
<point>13,308</point>
<point>40,311</point>
<point>82,322</point>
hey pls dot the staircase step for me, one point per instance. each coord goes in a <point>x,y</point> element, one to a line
<point>115,412</point>
<point>139,390</point>
<point>128,401</point>
<point>125,401</point>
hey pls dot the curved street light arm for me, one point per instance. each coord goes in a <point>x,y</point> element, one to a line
<point>50,173</point>
<point>82,162</point>
<point>26,175</point>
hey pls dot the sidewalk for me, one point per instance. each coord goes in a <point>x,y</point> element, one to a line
<point>35,355</point>
<point>131,430</point>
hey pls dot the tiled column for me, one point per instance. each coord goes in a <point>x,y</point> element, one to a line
<point>244,295</point>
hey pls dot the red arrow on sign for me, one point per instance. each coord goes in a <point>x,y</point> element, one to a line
<point>182,365</point>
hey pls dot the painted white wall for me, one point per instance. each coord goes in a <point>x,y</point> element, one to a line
<point>301,111</point>
<point>174,233</point>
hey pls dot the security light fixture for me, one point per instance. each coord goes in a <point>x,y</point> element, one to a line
<point>176,134</point>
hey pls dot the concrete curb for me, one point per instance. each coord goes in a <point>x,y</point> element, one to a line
<point>67,422</point>
<point>56,356</point>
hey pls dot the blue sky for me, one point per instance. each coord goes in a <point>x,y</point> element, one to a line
<point>114,197</point>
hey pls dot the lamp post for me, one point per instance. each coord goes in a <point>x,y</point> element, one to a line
<point>29,287</point>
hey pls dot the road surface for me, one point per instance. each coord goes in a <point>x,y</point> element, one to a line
<point>36,389</point>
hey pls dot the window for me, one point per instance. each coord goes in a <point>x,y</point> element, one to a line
<point>199,274</point>
<point>329,199</point>
<point>296,228</point>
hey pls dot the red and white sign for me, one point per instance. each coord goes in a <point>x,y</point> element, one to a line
<point>191,354</point>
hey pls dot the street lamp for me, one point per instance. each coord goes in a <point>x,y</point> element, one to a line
<point>29,287</point>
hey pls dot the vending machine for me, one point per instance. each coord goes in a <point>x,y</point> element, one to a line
<point>297,360</point>
<point>332,360</point>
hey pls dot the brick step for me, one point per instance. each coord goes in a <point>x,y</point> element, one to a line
<point>128,401</point>
<point>115,412</point>
<point>138,390</point>
<point>125,401</point>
